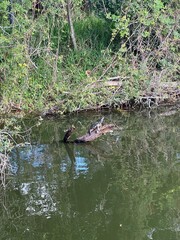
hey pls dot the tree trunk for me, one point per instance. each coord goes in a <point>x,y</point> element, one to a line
<point>71,24</point>
<point>10,14</point>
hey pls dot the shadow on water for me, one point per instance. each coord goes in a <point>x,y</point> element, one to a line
<point>125,185</point>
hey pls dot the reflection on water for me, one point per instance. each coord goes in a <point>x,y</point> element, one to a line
<point>125,185</point>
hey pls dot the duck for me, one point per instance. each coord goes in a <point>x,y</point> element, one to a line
<point>96,126</point>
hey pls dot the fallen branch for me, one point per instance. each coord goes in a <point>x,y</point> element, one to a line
<point>68,134</point>
<point>102,83</point>
<point>88,137</point>
<point>95,134</point>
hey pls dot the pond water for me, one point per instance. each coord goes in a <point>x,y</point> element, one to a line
<point>124,185</point>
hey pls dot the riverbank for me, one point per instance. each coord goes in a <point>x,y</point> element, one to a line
<point>157,94</point>
<point>58,58</point>
<point>164,106</point>
<point>123,55</point>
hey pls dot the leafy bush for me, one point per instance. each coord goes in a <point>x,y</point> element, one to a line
<point>136,40</point>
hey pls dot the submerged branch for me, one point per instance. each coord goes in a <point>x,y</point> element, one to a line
<point>96,134</point>
<point>88,137</point>
<point>68,134</point>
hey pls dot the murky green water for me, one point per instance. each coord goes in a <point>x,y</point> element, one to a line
<point>125,185</point>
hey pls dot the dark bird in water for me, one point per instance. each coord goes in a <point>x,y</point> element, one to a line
<point>96,126</point>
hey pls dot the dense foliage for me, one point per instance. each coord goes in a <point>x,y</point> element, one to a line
<point>137,40</point>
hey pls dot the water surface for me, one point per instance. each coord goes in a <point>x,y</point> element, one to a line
<point>125,185</point>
